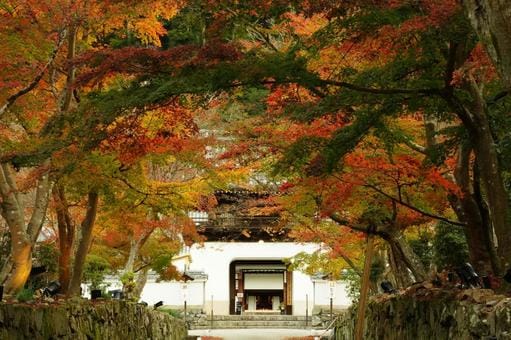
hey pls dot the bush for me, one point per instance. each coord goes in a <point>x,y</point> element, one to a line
<point>25,295</point>
<point>45,254</point>
<point>172,312</point>
<point>423,247</point>
<point>450,246</point>
<point>352,280</point>
<point>95,270</point>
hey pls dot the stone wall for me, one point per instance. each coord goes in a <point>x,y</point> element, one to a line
<point>87,320</point>
<point>433,315</point>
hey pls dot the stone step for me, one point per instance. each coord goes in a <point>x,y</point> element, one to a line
<point>278,317</point>
<point>265,322</point>
<point>249,327</point>
<point>239,325</point>
<point>245,322</point>
<point>262,313</point>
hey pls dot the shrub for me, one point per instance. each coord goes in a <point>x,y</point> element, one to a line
<point>95,270</point>
<point>450,246</point>
<point>25,295</point>
<point>172,312</point>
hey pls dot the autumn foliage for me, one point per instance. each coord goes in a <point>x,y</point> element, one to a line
<point>380,117</point>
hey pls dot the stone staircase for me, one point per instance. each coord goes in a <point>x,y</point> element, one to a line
<point>250,321</point>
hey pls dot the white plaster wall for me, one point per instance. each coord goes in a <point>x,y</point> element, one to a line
<point>302,291</point>
<point>172,293</point>
<point>214,259</point>
<point>322,294</point>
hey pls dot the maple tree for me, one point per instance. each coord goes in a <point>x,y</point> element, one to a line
<point>392,64</point>
<point>403,79</point>
<point>378,190</point>
<point>45,37</point>
<point>371,104</point>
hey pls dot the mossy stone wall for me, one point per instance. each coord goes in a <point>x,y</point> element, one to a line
<point>87,320</point>
<point>448,316</point>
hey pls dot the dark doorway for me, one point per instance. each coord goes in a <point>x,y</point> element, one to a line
<point>259,286</point>
<point>269,300</point>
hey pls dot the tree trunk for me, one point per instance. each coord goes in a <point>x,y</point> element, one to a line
<point>134,248</point>
<point>491,177</point>
<point>468,211</point>
<point>84,242</point>
<point>491,20</point>
<point>399,269</point>
<point>6,268</point>
<point>403,252</point>
<point>66,232</point>
<point>140,283</point>
<point>23,236</point>
<point>132,289</point>
<point>467,206</point>
<point>66,227</point>
<point>70,73</point>
<point>22,265</point>
<point>496,194</point>
<point>21,247</point>
<point>488,232</point>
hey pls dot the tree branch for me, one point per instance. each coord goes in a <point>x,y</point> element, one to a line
<point>339,220</point>
<point>383,91</point>
<point>409,206</point>
<point>498,97</point>
<point>12,99</point>
<point>414,146</point>
<point>351,264</point>
<point>450,66</point>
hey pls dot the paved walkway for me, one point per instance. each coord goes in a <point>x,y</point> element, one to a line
<point>257,333</point>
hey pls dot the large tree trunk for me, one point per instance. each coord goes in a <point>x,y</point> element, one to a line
<point>488,236</point>
<point>468,211</point>
<point>496,194</point>
<point>492,21</point>
<point>84,242</point>
<point>129,284</point>
<point>491,176</point>
<point>23,236</point>
<point>14,276</point>
<point>468,207</point>
<point>66,227</point>
<point>22,265</point>
<point>66,231</point>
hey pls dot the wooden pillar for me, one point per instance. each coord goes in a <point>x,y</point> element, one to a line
<point>289,292</point>
<point>232,287</point>
<point>241,289</point>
